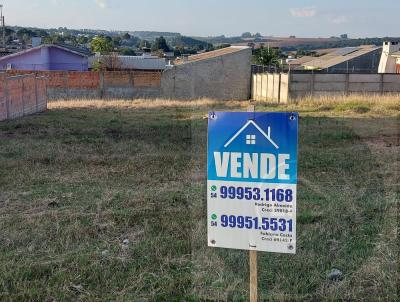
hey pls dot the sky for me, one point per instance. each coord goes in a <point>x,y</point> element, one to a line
<point>302,18</point>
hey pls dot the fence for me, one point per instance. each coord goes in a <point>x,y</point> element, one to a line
<point>21,95</point>
<point>282,87</point>
<point>93,84</point>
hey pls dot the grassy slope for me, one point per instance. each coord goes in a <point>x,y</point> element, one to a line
<point>78,179</point>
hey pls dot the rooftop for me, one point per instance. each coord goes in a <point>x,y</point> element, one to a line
<point>39,47</point>
<point>83,51</point>
<point>301,60</point>
<point>145,62</point>
<point>212,54</point>
<point>339,56</point>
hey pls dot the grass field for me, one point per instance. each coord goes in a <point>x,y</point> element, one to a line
<point>80,178</point>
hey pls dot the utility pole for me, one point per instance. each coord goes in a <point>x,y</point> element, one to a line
<point>3,26</point>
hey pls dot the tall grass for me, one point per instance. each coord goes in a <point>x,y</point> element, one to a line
<point>80,178</point>
<point>368,104</point>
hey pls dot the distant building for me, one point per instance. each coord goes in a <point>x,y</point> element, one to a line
<point>344,36</point>
<point>296,64</point>
<point>117,62</point>
<point>45,57</point>
<point>362,59</point>
<point>36,41</point>
<point>397,56</point>
<point>390,59</point>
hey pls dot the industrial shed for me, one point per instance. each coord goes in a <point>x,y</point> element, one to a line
<point>362,59</point>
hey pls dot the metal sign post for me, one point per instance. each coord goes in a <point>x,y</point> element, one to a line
<point>252,183</point>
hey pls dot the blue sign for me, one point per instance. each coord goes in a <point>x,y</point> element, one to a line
<point>252,156</point>
<point>265,140</point>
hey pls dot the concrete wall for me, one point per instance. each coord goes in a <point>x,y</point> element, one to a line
<point>21,95</point>
<point>342,84</point>
<point>269,87</point>
<point>293,86</point>
<point>225,77</point>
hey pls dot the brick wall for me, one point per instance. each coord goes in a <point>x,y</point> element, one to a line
<point>21,95</point>
<point>93,84</point>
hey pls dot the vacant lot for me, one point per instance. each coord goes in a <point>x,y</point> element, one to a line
<point>79,179</point>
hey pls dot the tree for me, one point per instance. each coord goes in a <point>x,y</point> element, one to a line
<point>267,56</point>
<point>126,51</point>
<point>246,35</point>
<point>160,43</point>
<point>25,35</point>
<point>53,39</point>
<point>111,62</point>
<point>126,36</point>
<point>144,44</point>
<point>40,33</point>
<point>117,41</point>
<point>82,40</point>
<point>102,45</point>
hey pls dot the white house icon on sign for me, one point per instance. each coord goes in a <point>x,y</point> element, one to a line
<point>251,139</point>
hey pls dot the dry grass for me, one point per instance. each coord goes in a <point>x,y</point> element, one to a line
<point>141,104</point>
<point>85,175</point>
<point>371,105</point>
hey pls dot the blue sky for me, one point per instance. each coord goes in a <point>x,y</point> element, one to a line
<point>303,18</point>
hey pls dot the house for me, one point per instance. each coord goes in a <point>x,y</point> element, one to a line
<point>390,59</point>
<point>362,59</point>
<point>297,64</point>
<point>46,57</point>
<point>117,62</point>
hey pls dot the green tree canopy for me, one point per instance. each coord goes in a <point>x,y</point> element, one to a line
<point>117,41</point>
<point>266,56</point>
<point>160,44</point>
<point>126,51</point>
<point>144,43</point>
<point>103,45</point>
<point>126,36</point>
<point>82,40</point>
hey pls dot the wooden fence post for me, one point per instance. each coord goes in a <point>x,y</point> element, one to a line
<point>253,276</point>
